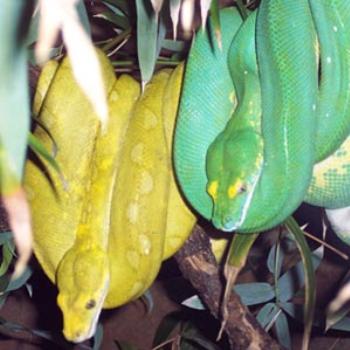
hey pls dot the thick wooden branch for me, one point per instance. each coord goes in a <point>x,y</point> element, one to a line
<point>198,265</point>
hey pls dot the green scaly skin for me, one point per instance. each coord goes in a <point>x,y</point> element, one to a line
<point>241,141</point>
<point>199,121</point>
<point>291,99</point>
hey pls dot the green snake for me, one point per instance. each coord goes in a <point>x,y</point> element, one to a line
<point>287,68</point>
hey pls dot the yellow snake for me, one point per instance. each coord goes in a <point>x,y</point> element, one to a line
<point>101,235</point>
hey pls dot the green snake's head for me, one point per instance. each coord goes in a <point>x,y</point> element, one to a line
<point>83,281</point>
<point>233,169</point>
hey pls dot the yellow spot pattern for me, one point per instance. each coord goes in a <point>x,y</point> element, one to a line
<point>137,153</point>
<point>233,189</point>
<point>213,189</point>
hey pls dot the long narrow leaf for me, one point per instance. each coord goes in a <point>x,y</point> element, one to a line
<point>117,20</point>
<point>157,5</point>
<point>7,257</point>
<point>215,21</point>
<point>14,121</point>
<point>40,149</point>
<point>147,38</point>
<point>310,285</point>
<point>121,5</point>
<point>83,16</point>
<point>205,5</point>
<point>237,257</point>
<point>175,6</point>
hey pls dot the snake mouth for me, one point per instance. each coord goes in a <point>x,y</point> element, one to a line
<point>224,222</point>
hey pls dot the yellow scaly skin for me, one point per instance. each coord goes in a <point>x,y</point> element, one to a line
<point>180,219</point>
<point>71,227</point>
<point>92,226</point>
<point>56,210</point>
<point>140,199</point>
<point>83,275</point>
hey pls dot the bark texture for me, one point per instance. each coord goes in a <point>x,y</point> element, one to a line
<point>198,265</point>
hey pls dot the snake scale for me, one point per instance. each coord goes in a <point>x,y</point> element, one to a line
<point>102,234</point>
<point>270,113</point>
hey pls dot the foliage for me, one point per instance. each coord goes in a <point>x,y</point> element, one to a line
<point>139,40</point>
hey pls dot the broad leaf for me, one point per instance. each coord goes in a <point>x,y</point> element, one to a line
<point>282,331</point>
<point>255,293</point>
<point>194,302</point>
<point>267,314</point>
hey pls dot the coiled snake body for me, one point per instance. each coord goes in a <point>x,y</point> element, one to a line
<point>248,168</point>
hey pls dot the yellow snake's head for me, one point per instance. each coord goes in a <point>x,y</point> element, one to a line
<point>83,281</point>
<point>233,169</point>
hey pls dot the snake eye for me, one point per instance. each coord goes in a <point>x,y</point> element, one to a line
<point>90,304</point>
<point>242,189</point>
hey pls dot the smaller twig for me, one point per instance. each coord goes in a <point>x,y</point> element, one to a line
<point>117,40</point>
<point>326,245</point>
<point>168,341</point>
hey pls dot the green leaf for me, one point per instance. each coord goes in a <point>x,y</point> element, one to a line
<point>119,9</point>
<point>282,331</point>
<point>267,313</point>
<point>119,21</point>
<point>215,22</point>
<point>161,30</point>
<point>333,315</point>
<point>342,325</point>
<point>36,145</point>
<point>173,45</point>
<point>292,280</point>
<point>83,16</point>
<point>29,289</point>
<point>5,237</point>
<point>147,296</point>
<point>7,256</point>
<point>33,29</point>
<point>242,9</point>
<point>157,5</point>
<point>310,285</point>
<point>205,5</point>
<point>254,293</point>
<point>166,326</point>
<point>3,298</point>
<point>274,261</point>
<point>194,302</point>
<point>147,36</point>
<point>175,6</point>
<point>98,337</point>
<point>20,281</point>
<point>14,94</point>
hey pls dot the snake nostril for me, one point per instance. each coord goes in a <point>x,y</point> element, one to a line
<point>228,223</point>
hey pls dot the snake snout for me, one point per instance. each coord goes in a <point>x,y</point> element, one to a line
<point>224,223</point>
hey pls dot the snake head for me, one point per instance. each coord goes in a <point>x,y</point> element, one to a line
<point>234,166</point>
<point>83,281</point>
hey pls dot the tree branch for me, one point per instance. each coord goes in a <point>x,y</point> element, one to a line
<point>198,265</point>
